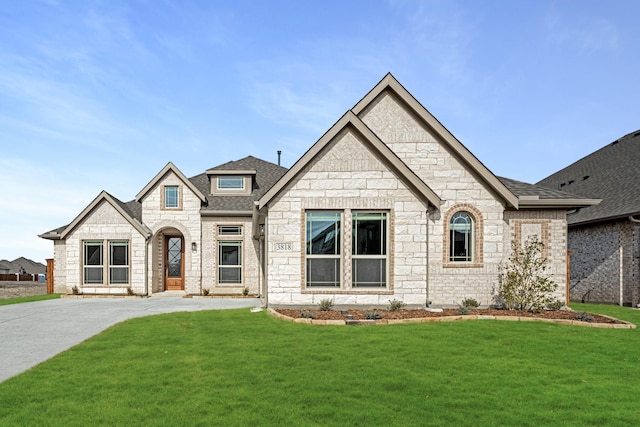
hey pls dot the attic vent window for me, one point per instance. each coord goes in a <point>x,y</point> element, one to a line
<point>230,183</point>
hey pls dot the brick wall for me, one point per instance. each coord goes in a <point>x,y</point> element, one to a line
<point>605,263</point>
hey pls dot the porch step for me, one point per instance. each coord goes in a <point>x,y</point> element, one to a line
<point>169,294</point>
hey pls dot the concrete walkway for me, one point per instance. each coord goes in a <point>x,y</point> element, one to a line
<point>33,332</point>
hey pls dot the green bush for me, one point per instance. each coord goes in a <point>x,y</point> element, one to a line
<point>524,285</point>
<point>205,291</point>
<point>555,305</point>
<point>470,303</point>
<point>583,316</point>
<point>372,315</point>
<point>326,304</point>
<point>307,314</point>
<point>395,305</point>
<point>463,310</point>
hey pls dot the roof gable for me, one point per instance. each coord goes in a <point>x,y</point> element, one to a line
<point>170,167</point>
<point>350,120</point>
<point>390,83</point>
<point>116,204</point>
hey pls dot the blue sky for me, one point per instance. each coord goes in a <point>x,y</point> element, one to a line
<point>100,95</point>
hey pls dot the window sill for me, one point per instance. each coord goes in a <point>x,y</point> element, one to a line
<point>334,291</point>
<point>463,265</point>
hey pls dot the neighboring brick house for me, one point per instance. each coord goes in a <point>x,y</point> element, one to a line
<point>605,239</point>
<point>387,204</point>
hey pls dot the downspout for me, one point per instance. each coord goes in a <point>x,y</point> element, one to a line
<point>427,302</point>
<point>259,236</point>
<point>146,265</point>
<point>632,219</point>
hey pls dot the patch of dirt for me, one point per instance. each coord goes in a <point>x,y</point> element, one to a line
<point>419,314</point>
<point>10,290</point>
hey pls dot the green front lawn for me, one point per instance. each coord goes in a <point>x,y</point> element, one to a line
<point>29,299</point>
<point>240,368</point>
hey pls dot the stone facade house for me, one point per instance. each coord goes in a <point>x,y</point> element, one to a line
<point>386,205</point>
<point>604,240</point>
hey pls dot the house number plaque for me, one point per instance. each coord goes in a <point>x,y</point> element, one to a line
<point>284,247</point>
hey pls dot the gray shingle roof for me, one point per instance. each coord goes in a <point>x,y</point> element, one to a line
<point>267,174</point>
<point>520,189</point>
<point>612,174</point>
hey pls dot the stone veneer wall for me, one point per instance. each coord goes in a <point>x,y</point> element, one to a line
<point>186,220</point>
<point>103,224</point>
<point>346,176</point>
<point>441,169</point>
<point>60,267</point>
<point>604,262</point>
<point>251,274</point>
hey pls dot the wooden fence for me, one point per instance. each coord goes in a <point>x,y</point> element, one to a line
<point>18,277</point>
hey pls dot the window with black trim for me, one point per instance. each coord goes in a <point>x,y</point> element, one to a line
<point>229,262</point>
<point>93,263</point>
<point>230,256</point>
<point>369,249</point>
<point>323,252</point>
<point>100,268</point>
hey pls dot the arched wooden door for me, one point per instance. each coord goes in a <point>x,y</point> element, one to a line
<point>173,263</point>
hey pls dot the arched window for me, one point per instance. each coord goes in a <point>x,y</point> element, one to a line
<point>461,237</point>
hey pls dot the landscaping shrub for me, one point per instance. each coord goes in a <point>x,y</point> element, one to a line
<point>470,303</point>
<point>395,305</point>
<point>326,304</point>
<point>524,285</point>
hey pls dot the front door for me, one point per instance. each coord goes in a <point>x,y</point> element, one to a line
<point>173,263</point>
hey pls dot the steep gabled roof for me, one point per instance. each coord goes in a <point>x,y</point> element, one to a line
<point>390,83</point>
<point>612,174</point>
<point>170,167</point>
<point>351,121</point>
<point>62,232</point>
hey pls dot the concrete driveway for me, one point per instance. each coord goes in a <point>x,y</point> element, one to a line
<point>33,332</point>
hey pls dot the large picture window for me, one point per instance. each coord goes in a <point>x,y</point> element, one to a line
<point>461,237</point>
<point>100,268</point>
<point>369,249</point>
<point>323,249</point>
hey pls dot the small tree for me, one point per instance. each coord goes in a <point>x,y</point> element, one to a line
<point>524,284</point>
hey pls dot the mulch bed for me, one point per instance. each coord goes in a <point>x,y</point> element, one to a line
<point>419,314</point>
